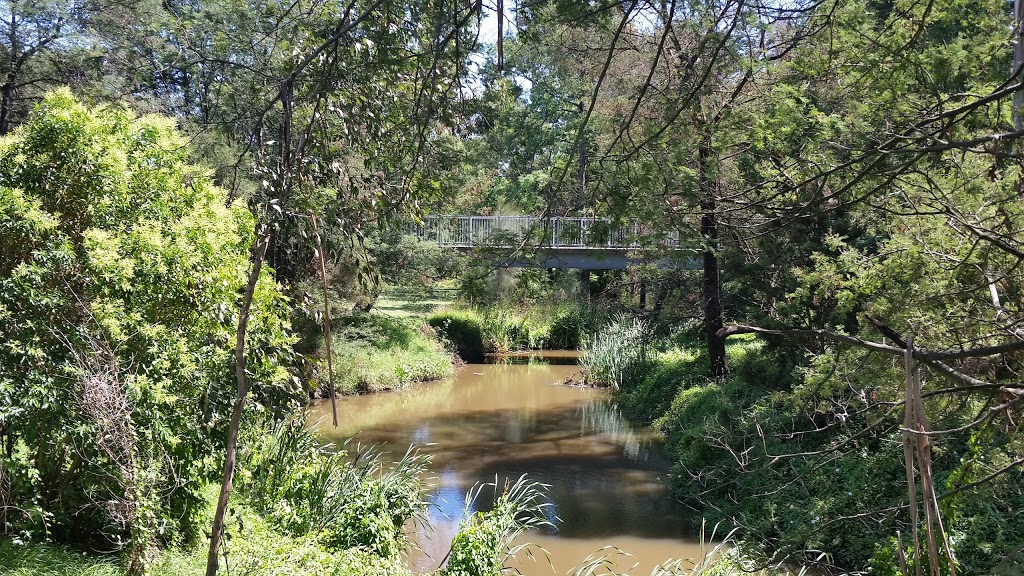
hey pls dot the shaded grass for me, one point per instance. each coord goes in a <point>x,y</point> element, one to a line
<point>463,329</point>
<point>413,308</point>
<point>52,560</point>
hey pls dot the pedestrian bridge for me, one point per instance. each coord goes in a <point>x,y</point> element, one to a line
<point>558,241</point>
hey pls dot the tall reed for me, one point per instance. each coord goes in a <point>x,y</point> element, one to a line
<point>306,487</point>
<point>485,539</point>
<point>618,353</point>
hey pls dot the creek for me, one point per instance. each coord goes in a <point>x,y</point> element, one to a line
<point>608,481</point>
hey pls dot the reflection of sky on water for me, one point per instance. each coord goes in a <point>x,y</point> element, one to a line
<point>447,503</point>
<point>606,479</point>
<point>421,435</point>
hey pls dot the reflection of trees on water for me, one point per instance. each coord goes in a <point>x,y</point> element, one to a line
<point>362,412</point>
<point>537,358</point>
<point>605,420</point>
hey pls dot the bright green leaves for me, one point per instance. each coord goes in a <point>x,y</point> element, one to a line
<point>119,276</point>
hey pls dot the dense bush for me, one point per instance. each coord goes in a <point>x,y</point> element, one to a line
<point>254,547</point>
<point>120,269</point>
<point>569,328</point>
<point>646,398</point>
<point>463,329</point>
<point>757,450</point>
<point>507,330</point>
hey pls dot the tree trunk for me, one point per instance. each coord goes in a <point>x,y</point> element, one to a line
<point>259,251</point>
<point>712,281</point>
<point>6,103</point>
<point>585,286</point>
<point>660,295</point>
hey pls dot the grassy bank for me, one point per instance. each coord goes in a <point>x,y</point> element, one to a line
<point>375,352</point>
<point>299,508</point>
<point>302,508</point>
<point>476,332</point>
<point>806,465</point>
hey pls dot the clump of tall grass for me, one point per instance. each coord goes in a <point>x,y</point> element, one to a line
<point>569,327</point>
<point>618,353</point>
<point>309,488</point>
<point>506,330</point>
<point>484,542</point>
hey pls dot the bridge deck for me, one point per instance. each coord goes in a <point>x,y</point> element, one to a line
<point>559,242</point>
<point>553,233</point>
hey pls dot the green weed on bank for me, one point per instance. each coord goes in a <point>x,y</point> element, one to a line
<point>254,549</point>
<point>373,352</point>
<point>476,332</point>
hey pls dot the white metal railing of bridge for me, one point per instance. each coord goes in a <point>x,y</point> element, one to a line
<point>555,232</point>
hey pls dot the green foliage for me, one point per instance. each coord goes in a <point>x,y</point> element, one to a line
<point>506,330</point>
<point>484,540</point>
<point>119,275</point>
<point>51,560</point>
<point>374,352</point>
<point>647,398</point>
<point>405,260</point>
<point>735,441</point>
<point>255,546</point>
<point>569,328</point>
<point>500,329</point>
<point>309,489</point>
<point>618,354</point>
<point>463,329</point>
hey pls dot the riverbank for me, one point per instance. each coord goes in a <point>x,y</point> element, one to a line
<point>476,332</point>
<point>257,548</point>
<point>373,352</point>
<point>777,450</point>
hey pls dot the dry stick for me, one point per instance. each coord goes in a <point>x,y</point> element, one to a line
<point>327,323</point>
<point>927,479</point>
<point>908,448</point>
<point>900,556</point>
<point>924,461</point>
<point>259,251</point>
<point>915,423</point>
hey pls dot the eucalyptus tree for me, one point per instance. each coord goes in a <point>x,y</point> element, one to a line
<point>668,92</point>
<point>338,107</point>
<point>50,43</point>
<point>875,192</point>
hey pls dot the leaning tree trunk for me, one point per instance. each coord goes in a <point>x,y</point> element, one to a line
<point>712,282</point>
<point>259,251</point>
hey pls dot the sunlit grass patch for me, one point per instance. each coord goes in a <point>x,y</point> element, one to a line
<point>373,352</point>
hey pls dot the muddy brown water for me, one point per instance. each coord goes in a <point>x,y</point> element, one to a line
<point>608,480</point>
